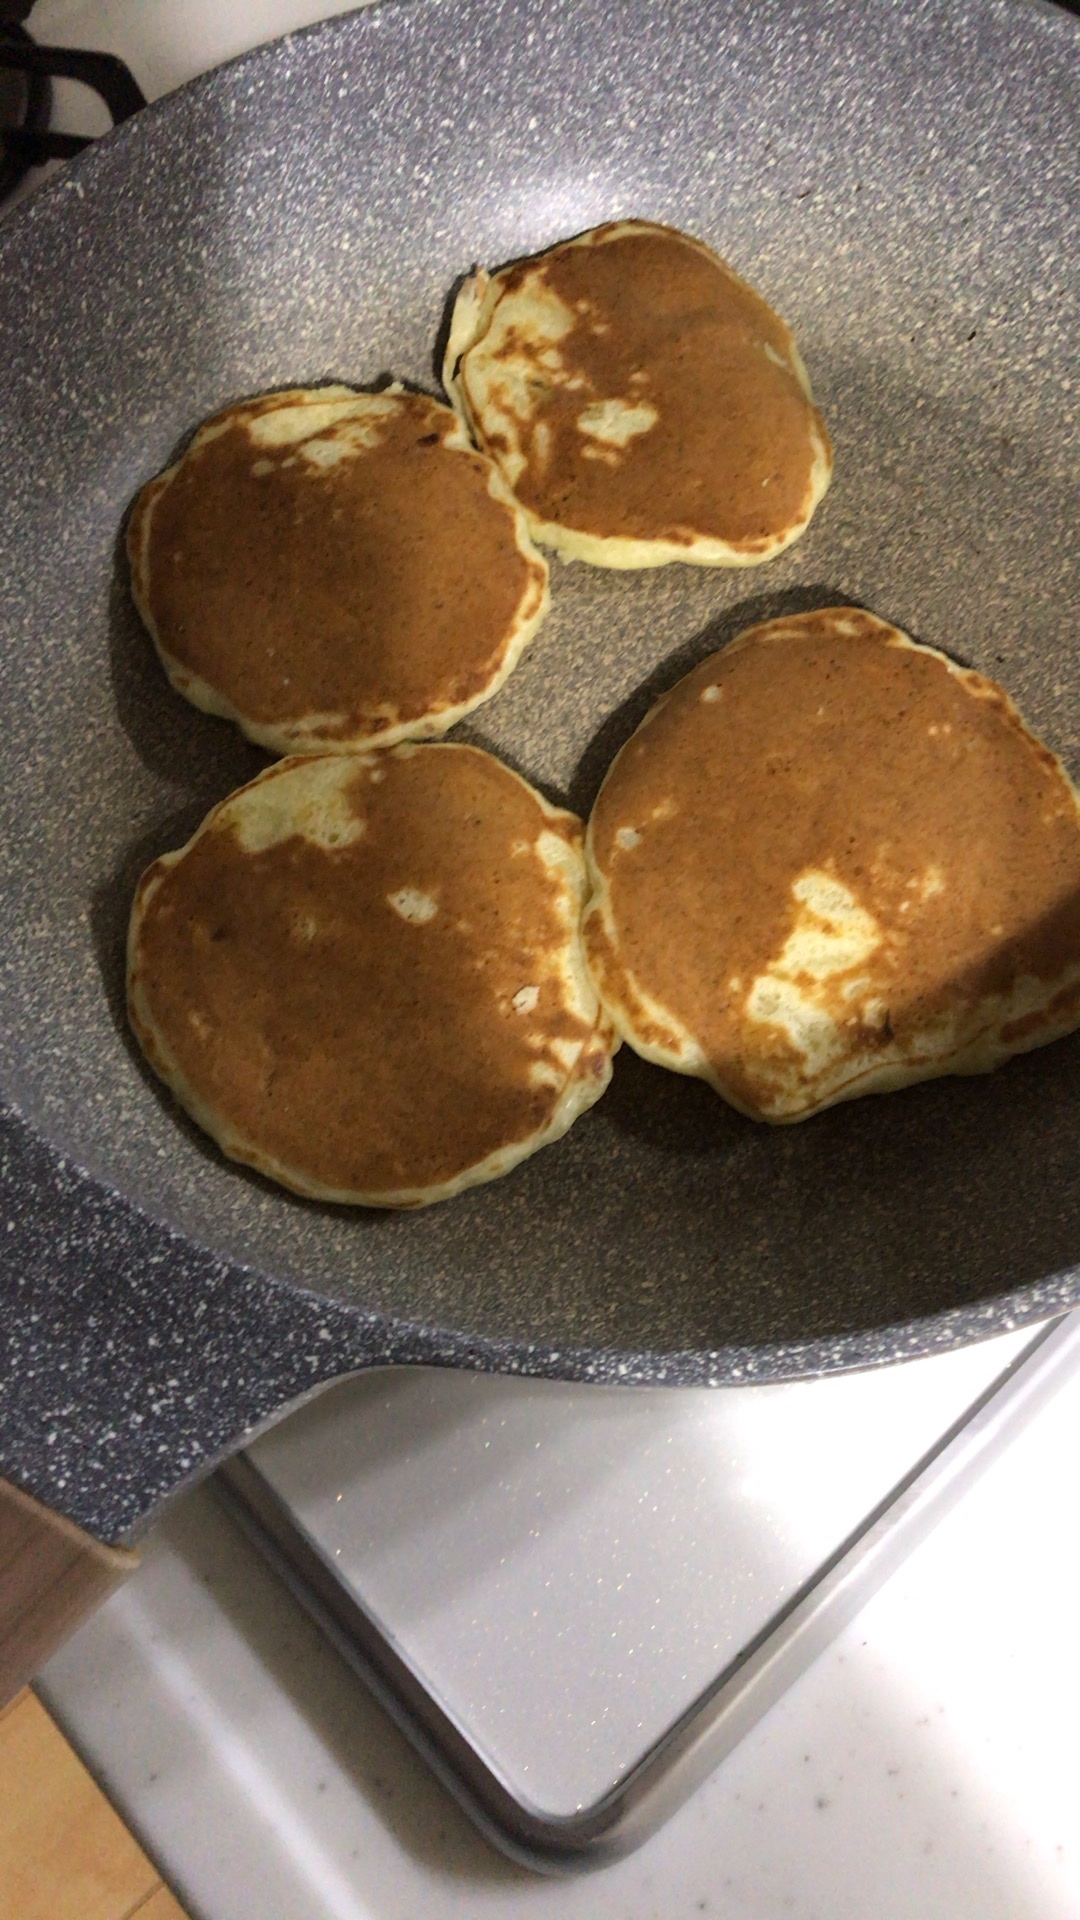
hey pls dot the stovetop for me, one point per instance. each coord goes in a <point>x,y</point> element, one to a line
<point>29,137</point>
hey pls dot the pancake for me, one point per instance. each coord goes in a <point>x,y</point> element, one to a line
<point>363,975</point>
<point>831,862</point>
<point>334,570</point>
<point>643,402</point>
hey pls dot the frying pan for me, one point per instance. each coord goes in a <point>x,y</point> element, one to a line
<point>901,182</point>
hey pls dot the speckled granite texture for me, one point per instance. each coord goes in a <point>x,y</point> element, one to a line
<point>899,179</point>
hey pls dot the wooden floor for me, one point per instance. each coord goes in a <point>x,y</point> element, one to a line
<point>64,1853</point>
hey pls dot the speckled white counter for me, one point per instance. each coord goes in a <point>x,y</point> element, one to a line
<point>924,1769</point>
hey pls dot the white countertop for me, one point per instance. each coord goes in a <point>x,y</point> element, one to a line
<point>925,1768</point>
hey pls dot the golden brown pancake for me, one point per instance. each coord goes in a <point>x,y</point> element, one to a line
<point>643,402</point>
<point>831,862</point>
<point>334,570</point>
<point>364,976</point>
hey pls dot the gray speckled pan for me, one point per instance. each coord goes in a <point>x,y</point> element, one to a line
<point>901,180</point>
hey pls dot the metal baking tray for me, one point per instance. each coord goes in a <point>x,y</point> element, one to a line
<point>668,1570</point>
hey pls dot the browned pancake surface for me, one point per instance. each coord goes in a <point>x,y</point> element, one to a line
<point>370,584</point>
<point>363,975</point>
<point>829,861</point>
<point>727,442</point>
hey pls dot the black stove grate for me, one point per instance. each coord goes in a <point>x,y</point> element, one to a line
<point>25,107</point>
<point>26,74</point>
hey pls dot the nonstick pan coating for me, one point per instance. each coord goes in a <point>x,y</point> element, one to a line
<point>901,182</point>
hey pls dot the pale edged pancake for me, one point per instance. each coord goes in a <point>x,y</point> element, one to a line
<point>364,977</point>
<point>643,402</point>
<point>831,862</point>
<point>333,569</point>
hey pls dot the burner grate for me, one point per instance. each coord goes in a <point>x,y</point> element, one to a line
<point>25,107</point>
<point>26,73</point>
